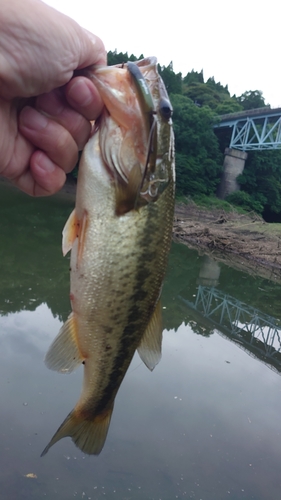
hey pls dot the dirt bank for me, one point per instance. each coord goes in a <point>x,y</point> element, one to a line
<point>245,241</point>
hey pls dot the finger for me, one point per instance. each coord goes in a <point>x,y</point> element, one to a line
<point>49,136</point>
<point>43,177</point>
<point>83,96</point>
<point>94,52</point>
<point>56,106</point>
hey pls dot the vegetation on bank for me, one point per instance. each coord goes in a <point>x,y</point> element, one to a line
<point>210,203</point>
<point>199,149</point>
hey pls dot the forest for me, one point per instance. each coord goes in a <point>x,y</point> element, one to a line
<point>199,149</point>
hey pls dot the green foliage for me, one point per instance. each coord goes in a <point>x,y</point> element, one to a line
<point>262,178</point>
<point>212,94</point>
<point>217,86</point>
<point>173,81</point>
<point>246,201</point>
<point>120,57</point>
<point>202,95</point>
<point>251,99</point>
<point>228,106</point>
<point>198,158</point>
<point>212,202</point>
<point>193,77</point>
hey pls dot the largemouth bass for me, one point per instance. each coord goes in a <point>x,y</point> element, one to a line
<point>119,235</point>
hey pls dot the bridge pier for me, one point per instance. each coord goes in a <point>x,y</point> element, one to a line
<point>233,165</point>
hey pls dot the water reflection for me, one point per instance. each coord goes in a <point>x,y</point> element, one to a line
<point>209,273</point>
<point>204,425</point>
<point>258,333</point>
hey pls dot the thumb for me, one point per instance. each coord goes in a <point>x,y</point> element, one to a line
<point>92,51</point>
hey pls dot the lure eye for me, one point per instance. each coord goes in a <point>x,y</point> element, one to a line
<point>165,109</point>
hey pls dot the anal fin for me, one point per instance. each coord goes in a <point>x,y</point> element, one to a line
<point>64,354</point>
<point>150,346</point>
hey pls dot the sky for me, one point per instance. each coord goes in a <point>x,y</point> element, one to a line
<point>235,42</point>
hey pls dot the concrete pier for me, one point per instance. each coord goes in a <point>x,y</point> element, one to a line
<point>233,165</point>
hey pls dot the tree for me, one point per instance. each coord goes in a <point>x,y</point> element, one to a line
<point>218,86</point>
<point>173,81</point>
<point>261,179</point>
<point>251,99</point>
<point>246,201</point>
<point>193,77</point>
<point>120,57</point>
<point>228,106</point>
<point>202,95</point>
<point>198,159</point>
<point>212,94</point>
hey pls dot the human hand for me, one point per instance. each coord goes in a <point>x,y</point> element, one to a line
<point>44,111</point>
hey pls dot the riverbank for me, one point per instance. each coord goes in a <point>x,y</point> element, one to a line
<point>244,241</point>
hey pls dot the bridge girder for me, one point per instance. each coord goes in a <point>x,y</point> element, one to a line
<point>255,129</point>
<point>256,134</point>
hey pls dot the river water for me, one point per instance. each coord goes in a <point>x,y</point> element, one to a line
<point>205,424</point>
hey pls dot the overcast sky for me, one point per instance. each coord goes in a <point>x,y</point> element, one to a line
<point>236,42</point>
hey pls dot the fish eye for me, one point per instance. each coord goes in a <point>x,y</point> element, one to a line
<point>165,109</point>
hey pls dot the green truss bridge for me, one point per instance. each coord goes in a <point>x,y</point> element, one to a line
<point>254,129</point>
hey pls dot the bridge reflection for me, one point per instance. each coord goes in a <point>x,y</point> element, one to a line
<point>257,333</point>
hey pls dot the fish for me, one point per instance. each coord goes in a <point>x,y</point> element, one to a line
<point>119,234</point>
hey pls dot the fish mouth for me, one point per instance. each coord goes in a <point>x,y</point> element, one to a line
<point>135,129</point>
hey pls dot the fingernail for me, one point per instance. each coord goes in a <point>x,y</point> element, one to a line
<point>80,93</point>
<point>32,119</point>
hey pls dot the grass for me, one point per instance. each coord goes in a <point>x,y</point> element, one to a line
<point>272,229</point>
<point>211,203</point>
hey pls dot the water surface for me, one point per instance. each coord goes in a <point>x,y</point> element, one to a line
<point>205,424</point>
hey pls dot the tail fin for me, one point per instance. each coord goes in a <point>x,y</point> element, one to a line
<point>88,435</point>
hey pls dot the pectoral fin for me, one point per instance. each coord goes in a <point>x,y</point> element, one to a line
<point>64,354</point>
<point>70,232</point>
<point>75,228</point>
<point>150,347</point>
